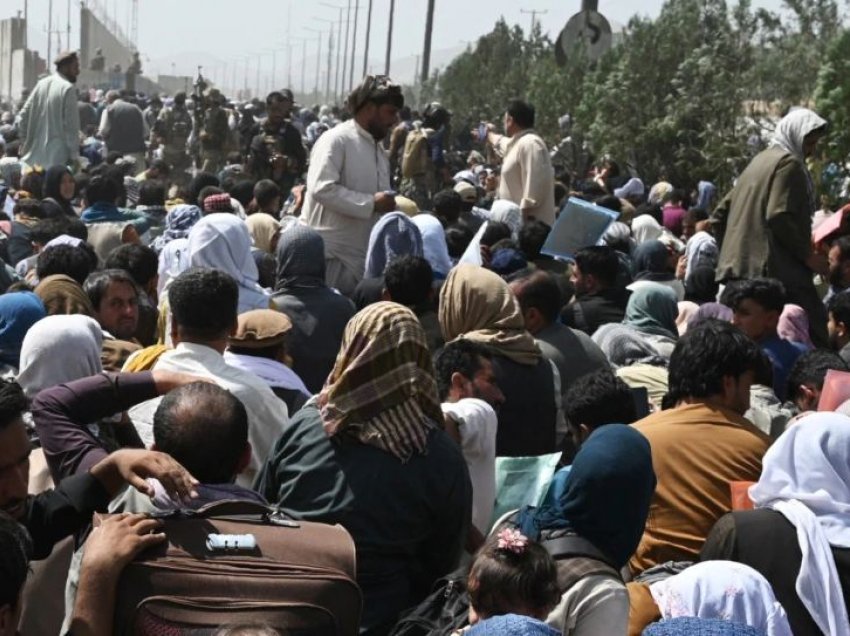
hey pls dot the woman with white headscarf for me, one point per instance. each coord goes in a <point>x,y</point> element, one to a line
<point>434,244</point>
<point>223,242</point>
<point>798,536</point>
<point>770,232</point>
<point>59,349</point>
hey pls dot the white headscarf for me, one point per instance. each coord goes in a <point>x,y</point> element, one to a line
<point>434,243</point>
<point>507,212</point>
<point>793,128</point>
<point>722,590</point>
<point>222,241</point>
<point>806,477</point>
<point>646,228</point>
<point>59,349</point>
<point>634,188</point>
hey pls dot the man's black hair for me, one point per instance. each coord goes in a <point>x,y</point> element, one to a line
<point>97,284</point>
<point>522,113</point>
<point>160,166</point>
<point>458,237</point>
<point>609,202</point>
<point>532,236</point>
<point>448,204</point>
<point>74,261</point>
<point>599,398</point>
<point>695,215</point>
<point>600,261</point>
<point>276,96</point>
<point>13,403</point>
<point>843,245</point>
<point>839,307</point>
<point>140,261</point>
<point>151,192</point>
<point>705,355</point>
<point>409,280</point>
<point>48,229</point>
<point>265,191</point>
<point>29,207</point>
<point>102,189</point>
<point>242,190</point>
<point>495,232</point>
<point>539,290</point>
<point>205,428</point>
<point>768,293</point>
<point>204,303</point>
<point>810,370</point>
<point>199,182</point>
<point>15,553</point>
<point>459,356</point>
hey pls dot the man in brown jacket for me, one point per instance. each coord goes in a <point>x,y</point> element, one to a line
<point>764,225</point>
<point>701,444</point>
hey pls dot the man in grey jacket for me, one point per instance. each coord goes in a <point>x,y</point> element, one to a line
<point>123,128</point>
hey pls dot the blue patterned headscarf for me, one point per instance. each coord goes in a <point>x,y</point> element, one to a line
<point>605,495</point>
<point>179,220</point>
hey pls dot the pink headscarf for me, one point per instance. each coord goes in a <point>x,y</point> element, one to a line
<point>794,325</point>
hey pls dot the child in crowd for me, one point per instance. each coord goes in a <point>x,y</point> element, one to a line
<point>512,575</point>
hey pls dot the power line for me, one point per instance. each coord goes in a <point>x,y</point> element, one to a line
<point>534,15</point>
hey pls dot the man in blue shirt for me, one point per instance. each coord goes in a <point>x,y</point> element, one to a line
<point>756,305</point>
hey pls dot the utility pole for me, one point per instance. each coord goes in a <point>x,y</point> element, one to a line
<point>68,33</point>
<point>534,15</point>
<point>390,39</point>
<point>353,46</point>
<point>331,42</point>
<point>318,60</point>
<point>49,34</point>
<point>426,52</point>
<point>368,34</point>
<point>345,55</point>
<point>258,85</point>
<point>589,5</point>
<point>26,25</point>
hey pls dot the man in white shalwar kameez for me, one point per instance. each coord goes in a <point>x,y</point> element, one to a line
<point>49,121</point>
<point>348,181</point>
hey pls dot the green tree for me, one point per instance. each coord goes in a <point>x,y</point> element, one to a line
<point>832,102</point>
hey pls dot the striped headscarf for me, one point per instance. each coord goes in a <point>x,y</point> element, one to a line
<point>382,389</point>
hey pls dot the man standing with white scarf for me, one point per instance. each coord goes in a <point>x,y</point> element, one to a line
<point>348,182</point>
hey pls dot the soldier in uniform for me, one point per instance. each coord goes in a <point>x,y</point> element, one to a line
<point>214,133</point>
<point>98,62</point>
<point>172,130</point>
<point>276,151</point>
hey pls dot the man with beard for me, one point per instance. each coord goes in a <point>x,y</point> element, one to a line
<point>49,122</point>
<point>839,268</point>
<point>276,150</point>
<point>348,182</point>
<point>838,325</point>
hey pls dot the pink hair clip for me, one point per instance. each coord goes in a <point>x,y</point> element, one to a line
<point>512,540</point>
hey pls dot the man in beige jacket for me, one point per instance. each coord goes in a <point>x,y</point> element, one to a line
<point>527,175</point>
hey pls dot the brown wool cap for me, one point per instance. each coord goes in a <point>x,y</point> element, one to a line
<point>261,328</point>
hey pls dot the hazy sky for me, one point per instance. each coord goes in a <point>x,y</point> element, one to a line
<point>217,32</point>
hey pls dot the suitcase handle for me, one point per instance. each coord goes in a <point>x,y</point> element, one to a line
<point>230,508</point>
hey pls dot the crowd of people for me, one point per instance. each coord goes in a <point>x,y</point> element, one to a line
<point>318,310</point>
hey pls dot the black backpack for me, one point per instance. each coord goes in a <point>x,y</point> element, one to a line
<point>443,612</point>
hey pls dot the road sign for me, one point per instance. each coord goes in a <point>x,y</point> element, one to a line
<point>589,28</point>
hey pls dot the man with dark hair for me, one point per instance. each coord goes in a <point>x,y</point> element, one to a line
<point>447,207</point>
<point>348,183</point>
<point>469,395</point>
<point>115,298</point>
<point>409,281</point>
<point>268,197</point>
<point>214,132</point>
<point>599,300</point>
<point>594,400</point>
<point>805,382</point>
<point>141,263</point>
<point>276,151</point>
<point>528,178</point>
<point>25,213</point>
<point>839,268</point>
<point>76,261</point>
<point>123,128</point>
<point>108,225</point>
<point>572,351</point>
<point>532,237</point>
<point>756,305</point>
<point>49,122</point>
<point>203,306</point>
<point>151,205</point>
<point>838,325</point>
<point>172,130</point>
<point>701,443</point>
